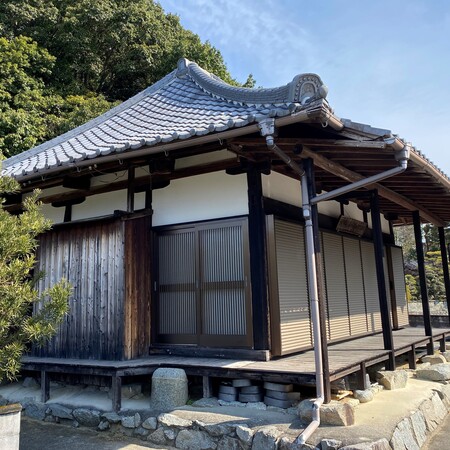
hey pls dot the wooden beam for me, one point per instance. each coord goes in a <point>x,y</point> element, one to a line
<point>336,143</point>
<point>349,175</point>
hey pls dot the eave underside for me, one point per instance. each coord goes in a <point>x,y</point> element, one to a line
<point>339,159</point>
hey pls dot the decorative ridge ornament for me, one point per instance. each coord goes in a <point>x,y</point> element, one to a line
<point>303,89</point>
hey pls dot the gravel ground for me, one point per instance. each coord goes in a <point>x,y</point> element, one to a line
<point>436,309</point>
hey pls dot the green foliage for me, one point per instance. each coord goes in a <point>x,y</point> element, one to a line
<point>18,295</point>
<point>110,47</point>
<point>80,58</point>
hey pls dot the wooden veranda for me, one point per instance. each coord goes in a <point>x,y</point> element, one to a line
<point>352,356</point>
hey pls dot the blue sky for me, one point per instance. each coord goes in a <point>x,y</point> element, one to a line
<point>386,63</point>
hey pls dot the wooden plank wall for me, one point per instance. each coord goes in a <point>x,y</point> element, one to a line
<point>91,257</point>
<point>137,287</point>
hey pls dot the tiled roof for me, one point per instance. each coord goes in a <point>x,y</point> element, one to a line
<point>186,103</point>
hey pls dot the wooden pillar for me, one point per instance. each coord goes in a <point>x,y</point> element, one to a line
<point>116,388</point>
<point>445,267</point>
<point>258,259</point>
<point>131,189</point>
<point>388,339</point>
<point>422,279</point>
<point>308,165</point>
<point>45,386</point>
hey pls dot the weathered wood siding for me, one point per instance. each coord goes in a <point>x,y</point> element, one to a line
<point>91,257</point>
<point>137,287</point>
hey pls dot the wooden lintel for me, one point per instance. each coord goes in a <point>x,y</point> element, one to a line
<point>347,174</point>
<point>79,183</point>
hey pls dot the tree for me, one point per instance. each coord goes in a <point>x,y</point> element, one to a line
<point>111,47</point>
<point>30,111</point>
<point>18,327</point>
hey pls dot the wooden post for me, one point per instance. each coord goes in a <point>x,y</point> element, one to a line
<point>131,189</point>
<point>412,357</point>
<point>445,267</point>
<point>423,280</point>
<point>388,339</point>
<point>116,388</point>
<point>207,387</point>
<point>308,165</point>
<point>258,259</point>
<point>45,386</point>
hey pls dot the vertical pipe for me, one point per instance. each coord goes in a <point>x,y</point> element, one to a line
<point>445,266</point>
<point>381,281</point>
<point>315,314</point>
<point>308,165</point>
<point>422,278</point>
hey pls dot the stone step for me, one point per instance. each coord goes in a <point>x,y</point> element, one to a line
<point>246,398</point>
<point>269,401</point>
<point>227,397</point>
<point>228,389</point>
<point>278,387</point>
<point>241,382</point>
<point>251,390</point>
<point>293,396</point>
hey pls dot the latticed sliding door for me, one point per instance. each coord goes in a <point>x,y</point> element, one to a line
<point>202,289</point>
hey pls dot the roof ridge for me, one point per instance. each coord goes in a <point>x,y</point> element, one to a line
<point>304,88</point>
<point>91,123</point>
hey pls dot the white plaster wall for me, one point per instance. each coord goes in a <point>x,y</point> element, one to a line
<point>330,208</point>
<point>351,210</point>
<point>100,205</point>
<point>56,215</point>
<point>384,223</point>
<point>282,188</point>
<point>202,197</point>
<point>221,155</point>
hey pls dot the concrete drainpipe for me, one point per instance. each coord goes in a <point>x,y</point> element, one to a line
<point>402,157</point>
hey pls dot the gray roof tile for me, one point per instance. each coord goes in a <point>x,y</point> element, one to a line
<point>186,103</point>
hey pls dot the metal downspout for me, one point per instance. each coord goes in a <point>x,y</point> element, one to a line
<point>402,156</point>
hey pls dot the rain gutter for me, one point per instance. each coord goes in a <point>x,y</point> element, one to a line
<point>401,152</point>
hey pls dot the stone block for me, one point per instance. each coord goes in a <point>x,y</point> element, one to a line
<point>437,372</point>
<point>381,444</point>
<point>35,410</point>
<point>104,425</point>
<point>111,417</point>
<point>10,426</point>
<point>433,411</point>
<point>171,420</point>
<point>245,434</point>
<point>419,427</point>
<point>169,388</point>
<point>392,379</point>
<point>218,429</point>
<point>446,355</point>
<point>333,413</point>
<point>206,403</point>
<point>229,443</point>
<point>87,417</point>
<point>404,437</point>
<point>330,444</point>
<point>150,423</point>
<point>434,359</point>
<point>363,396</point>
<point>61,411</point>
<point>256,405</point>
<point>133,421</point>
<point>265,439</point>
<point>194,440</point>
<point>157,437</point>
<point>170,434</point>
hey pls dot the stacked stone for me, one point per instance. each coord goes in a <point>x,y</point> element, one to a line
<point>240,390</point>
<point>280,395</point>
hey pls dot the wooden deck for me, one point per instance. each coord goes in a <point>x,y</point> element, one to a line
<point>348,357</point>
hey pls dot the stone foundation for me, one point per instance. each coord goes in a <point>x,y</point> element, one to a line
<point>10,427</point>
